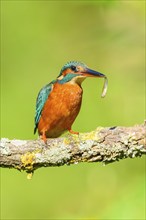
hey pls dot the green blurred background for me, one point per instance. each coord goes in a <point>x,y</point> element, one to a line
<point>37,39</point>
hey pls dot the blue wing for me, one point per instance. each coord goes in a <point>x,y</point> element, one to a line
<point>41,99</point>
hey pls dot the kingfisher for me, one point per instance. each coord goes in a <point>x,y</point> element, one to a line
<point>58,103</point>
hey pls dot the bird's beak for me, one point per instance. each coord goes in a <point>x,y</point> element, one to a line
<point>92,73</point>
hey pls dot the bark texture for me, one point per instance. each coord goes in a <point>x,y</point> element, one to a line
<point>102,145</point>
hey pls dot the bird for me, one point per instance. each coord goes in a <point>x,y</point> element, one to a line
<point>58,103</point>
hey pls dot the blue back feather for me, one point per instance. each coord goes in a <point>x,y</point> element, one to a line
<point>40,102</point>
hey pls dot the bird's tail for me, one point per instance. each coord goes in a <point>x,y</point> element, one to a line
<point>35,129</point>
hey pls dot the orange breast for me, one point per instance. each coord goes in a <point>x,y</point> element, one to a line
<point>61,109</point>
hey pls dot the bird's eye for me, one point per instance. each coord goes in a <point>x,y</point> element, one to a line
<point>73,68</point>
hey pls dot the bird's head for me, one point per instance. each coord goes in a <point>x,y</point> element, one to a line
<point>76,72</point>
<point>75,69</point>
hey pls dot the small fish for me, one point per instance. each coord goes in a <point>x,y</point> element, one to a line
<point>104,90</point>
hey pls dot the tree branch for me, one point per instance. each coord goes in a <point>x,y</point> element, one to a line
<point>102,145</point>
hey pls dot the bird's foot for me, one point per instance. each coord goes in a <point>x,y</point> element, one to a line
<point>43,137</point>
<point>73,132</point>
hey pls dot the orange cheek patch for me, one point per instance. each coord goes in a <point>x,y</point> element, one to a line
<point>67,71</point>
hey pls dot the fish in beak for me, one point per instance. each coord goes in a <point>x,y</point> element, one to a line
<point>92,73</point>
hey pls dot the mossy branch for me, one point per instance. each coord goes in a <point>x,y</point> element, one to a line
<point>102,145</point>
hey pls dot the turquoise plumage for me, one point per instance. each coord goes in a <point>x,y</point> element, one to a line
<point>40,102</point>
